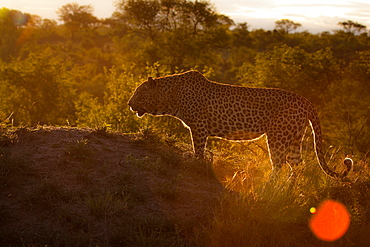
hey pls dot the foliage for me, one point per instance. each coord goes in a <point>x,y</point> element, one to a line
<point>286,25</point>
<point>180,34</point>
<point>76,17</point>
<point>37,90</point>
<point>119,90</point>
<point>82,71</point>
<point>352,27</point>
<point>73,14</point>
<point>293,69</point>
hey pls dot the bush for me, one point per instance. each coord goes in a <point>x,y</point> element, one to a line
<point>37,90</point>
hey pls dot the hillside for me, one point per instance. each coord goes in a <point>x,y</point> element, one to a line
<point>64,186</point>
<point>84,187</point>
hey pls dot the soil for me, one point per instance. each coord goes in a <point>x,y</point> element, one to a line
<point>69,186</point>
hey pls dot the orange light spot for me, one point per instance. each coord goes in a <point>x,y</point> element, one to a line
<point>330,221</point>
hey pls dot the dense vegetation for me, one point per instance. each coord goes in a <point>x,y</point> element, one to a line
<point>81,71</point>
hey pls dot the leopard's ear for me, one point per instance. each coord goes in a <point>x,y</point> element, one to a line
<point>152,82</point>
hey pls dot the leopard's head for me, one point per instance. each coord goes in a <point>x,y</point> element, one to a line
<point>148,98</point>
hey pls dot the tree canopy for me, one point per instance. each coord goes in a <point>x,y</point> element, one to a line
<point>286,25</point>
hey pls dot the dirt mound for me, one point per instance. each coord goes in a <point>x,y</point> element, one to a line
<point>82,187</point>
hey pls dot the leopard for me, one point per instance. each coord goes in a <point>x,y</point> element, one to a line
<point>236,113</point>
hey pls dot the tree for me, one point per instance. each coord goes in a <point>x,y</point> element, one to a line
<point>352,27</point>
<point>47,24</point>
<point>286,25</point>
<point>76,17</point>
<point>140,16</point>
<point>177,33</point>
<point>241,35</point>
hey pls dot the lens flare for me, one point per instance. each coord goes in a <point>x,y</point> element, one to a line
<point>18,18</point>
<point>313,210</point>
<point>330,221</point>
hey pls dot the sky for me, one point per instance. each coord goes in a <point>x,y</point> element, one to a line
<point>314,15</point>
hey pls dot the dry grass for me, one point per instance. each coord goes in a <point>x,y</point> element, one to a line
<point>81,187</point>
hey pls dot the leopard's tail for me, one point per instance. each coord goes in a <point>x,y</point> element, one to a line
<point>315,125</point>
